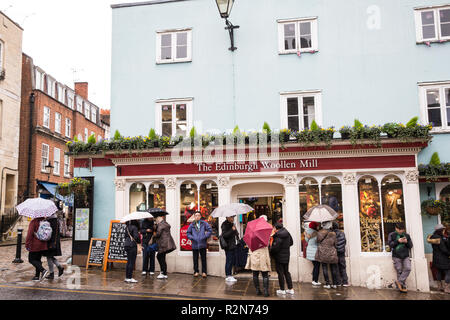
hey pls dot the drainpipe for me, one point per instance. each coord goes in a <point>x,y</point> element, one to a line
<point>30,144</point>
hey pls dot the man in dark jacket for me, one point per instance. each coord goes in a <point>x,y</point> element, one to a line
<point>340,248</point>
<point>400,243</point>
<point>147,228</point>
<point>36,248</point>
<point>198,232</point>
<point>230,235</point>
<point>132,239</point>
<point>441,256</point>
<point>280,251</point>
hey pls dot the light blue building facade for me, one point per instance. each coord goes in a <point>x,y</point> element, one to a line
<point>296,61</point>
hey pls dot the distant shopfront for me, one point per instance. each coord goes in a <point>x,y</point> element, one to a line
<point>371,189</point>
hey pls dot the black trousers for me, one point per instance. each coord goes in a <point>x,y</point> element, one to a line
<point>334,273</point>
<point>162,262</point>
<point>146,258</point>
<point>316,271</point>
<point>203,258</point>
<point>35,259</point>
<point>131,261</point>
<point>265,274</point>
<point>283,273</point>
<point>342,270</point>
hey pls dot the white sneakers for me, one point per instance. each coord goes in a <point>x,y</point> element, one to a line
<point>316,283</point>
<point>131,280</point>
<point>144,273</point>
<point>334,286</point>
<point>151,273</point>
<point>283,292</point>
<point>161,276</point>
<point>327,286</point>
<point>291,291</point>
<point>230,279</point>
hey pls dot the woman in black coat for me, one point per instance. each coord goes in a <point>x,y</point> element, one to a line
<point>54,248</point>
<point>441,256</point>
<point>131,241</point>
<point>280,251</point>
<point>230,235</point>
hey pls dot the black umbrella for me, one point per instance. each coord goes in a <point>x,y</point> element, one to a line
<point>157,212</point>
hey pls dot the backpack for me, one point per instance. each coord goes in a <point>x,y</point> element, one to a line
<point>44,232</point>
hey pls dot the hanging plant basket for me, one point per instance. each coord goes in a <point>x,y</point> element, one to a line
<point>63,190</point>
<point>434,207</point>
<point>433,211</point>
<point>79,189</point>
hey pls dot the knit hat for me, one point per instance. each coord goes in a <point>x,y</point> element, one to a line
<point>439,227</point>
<point>313,225</point>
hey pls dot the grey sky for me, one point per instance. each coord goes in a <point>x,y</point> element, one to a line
<point>62,35</point>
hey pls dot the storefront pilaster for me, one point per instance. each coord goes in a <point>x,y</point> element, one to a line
<point>121,199</point>
<point>291,221</point>
<point>415,229</point>
<point>351,226</point>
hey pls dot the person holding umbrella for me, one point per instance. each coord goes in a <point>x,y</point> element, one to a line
<point>198,232</point>
<point>280,250</point>
<point>257,237</point>
<point>36,249</point>
<point>147,228</point>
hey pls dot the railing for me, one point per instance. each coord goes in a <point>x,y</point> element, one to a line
<point>2,74</point>
<point>7,220</point>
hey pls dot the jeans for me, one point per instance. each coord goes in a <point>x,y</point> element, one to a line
<point>131,261</point>
<point>342,270</point>
<point>334,273</point>
<point>35,259</point>
<point>403,268</point>
<point>229,262</point>
<point>146,257</point>
<point>443,275</point>
<point>162,262</point>
<point>203,257</point>
<point>283,272</point>
<point>52,261</point>
<point>316,271</point>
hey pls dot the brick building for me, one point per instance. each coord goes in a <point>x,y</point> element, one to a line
<point>58,114</point>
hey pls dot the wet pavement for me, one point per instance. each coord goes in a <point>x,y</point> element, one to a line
<point>82,284</point>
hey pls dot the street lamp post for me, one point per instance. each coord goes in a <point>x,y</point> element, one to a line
<point>48,169</point>
<point>225,7</point>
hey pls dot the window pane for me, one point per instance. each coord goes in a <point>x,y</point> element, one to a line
<point>444,15</point>
<point>308,111</point>
<point>370,215</point>
<point>166,113</point>
<point>434,108</point>
<point>289,43</point>
<point>289,30</point>
<point>434,117</point>
<point>181,52</point>
<point>157,196</point>
<point>289,36</point>
<point>445,30</point>
<point>166,53</point>
<point>181,112</point>
<point>305,42</point>
<point>292,106</point>
<point>309,197</point>
<point>181,129</point>
<point>393,205</point>
<point>209,200</point>
<point>138,194</point>
<point>182,39</point>
<point>188,206</point>
<point>293,123</point>
<point>166,40</point>
<point>447,94</point>
<point>305,28</point>
<point>167,129</point>
<point>332,196</point>
<point>427,17</point>
<point>429,32</point>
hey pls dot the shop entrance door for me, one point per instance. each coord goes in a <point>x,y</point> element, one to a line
<point>271,206</point>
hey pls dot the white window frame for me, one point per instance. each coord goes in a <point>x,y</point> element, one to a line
<point>437,21</point>
<point>284,96</point>
<point>66,166</point>
<point>68,129</point>
<point>297,21</point>
<point>44,164</point>
<point>61,92</point>
<point>79,104</point>
<point>58,122</point>
<point>86,135</point>
<point>70,99</point>
<point>441,86</point>
<point>87,110</point>
<point>94,114</point>
<point>56,161</point>
<point>51,90</point>
<point>47,116</point>
<point>174,34</point>
<point>174,102</point>
<point>39,79</point>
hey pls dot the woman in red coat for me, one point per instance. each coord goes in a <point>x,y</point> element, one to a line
<point>36,248</point>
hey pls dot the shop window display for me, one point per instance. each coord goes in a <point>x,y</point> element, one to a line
<point>309,197</point>
<point>138,194</point>
<point>393,205</point>
<point>331,191</point>
<point>209,200</point>
<point>157,196</point>
<point>188,206</point>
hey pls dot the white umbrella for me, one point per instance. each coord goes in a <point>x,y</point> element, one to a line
<point>37,208</point>
<point>136,216</point>
<point>321,213</point>
<point>232,209</point>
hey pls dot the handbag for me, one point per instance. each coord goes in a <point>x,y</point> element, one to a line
<point>139,246</point>
<point>223,242</point>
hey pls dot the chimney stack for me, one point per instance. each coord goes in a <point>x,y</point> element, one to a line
<point>81,88</point>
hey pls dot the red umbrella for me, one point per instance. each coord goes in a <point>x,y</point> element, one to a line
<point>257,234</point>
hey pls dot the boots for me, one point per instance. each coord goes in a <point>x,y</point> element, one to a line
<point>441,285</point>
<point>256,283</point>
<point>266,286</point>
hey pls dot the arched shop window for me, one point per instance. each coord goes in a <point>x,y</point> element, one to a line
<point>138,194</point>
<point>209,200</point>
<point>393,205</point>
<point>188,205</point>
<point>445,194</point>
<point>157,195</point>
<point>309,197</point>
<point>331,195</point>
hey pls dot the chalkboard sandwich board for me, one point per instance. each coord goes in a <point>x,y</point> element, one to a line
<point>115,246</point>
<point>96,252</point>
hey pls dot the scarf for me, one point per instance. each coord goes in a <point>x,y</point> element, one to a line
<point>400,245</point>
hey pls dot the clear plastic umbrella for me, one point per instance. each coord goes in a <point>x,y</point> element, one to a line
<point>232,209</point>
<point>136,216</point>
<point>321,213</point>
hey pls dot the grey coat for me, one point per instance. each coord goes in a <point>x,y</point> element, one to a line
<point>163,238</point>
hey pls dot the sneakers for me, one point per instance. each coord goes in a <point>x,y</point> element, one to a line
<point>131,280</point>
<point>50,276</point>
<point>316,283</point>
<point>144,273</point>
<point>151,273</point>
<point>43,275</point>
<point>346,285</point>
<point>290,291</point>
<point>161,276</point>
<point>35,278</point>
<point>60,271</point>
<point>283,292</point>
<point>327,286</point>
<point>230,279</point>
<point>334,286</point>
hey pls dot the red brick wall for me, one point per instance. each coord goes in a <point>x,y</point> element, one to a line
<point>81,88</point>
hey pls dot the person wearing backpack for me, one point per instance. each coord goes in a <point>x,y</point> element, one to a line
<point>35,248</point>
<point>340,248</point>
<point>54,248</point>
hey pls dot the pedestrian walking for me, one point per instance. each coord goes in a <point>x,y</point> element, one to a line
<point>54,248</point>
<point>166,244</point>
<point>132,240</point>
<point>400,244</point>
<point>35,249</point>
<point>198,232</point>
<point>147,229</point>
<point>230,236</point>
<point>280,250</point>
<point>311,250</point>
<point>340,248</point>
<point>441,256</point>
<point>327,253</point>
